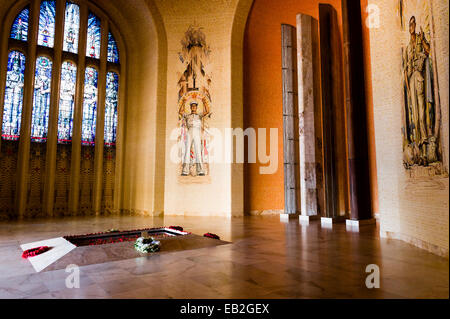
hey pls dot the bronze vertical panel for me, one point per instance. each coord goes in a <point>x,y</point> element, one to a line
<point>329,108</point>
<point>358,147</point>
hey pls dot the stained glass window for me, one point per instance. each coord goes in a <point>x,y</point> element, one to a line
<point>41,85</point>
<point>46,36</point>
<point>89,107</point>
<point>113,53</point>
<point>19,29</point>
<point>71,27</point>
<point>12,110</point>
<point>66,102</point>
<point>93,37</point>
<point>41,100</point>
<point>112,93</point>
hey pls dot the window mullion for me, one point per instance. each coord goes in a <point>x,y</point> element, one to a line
<point>25,130</point>
<point>120,136</point>
<point>99,134</point>
<point>49,186</point>
<point>78,113</point>
<point>3,67</point>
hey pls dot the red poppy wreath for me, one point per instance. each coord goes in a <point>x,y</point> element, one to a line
<point>35,251</point>
<point>210,235</point>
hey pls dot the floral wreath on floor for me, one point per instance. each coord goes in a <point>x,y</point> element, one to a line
<point>69,237</point>
<point>211,235</point>
<point>35,251</point>
<point>147,245</point>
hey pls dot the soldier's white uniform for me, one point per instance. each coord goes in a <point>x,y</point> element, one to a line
<point>193,136</point>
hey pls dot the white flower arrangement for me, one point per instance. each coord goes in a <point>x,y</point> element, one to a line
<point>147,245</point>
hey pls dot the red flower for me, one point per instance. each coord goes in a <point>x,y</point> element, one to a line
<point>35,251</point>
<point>210,235</point>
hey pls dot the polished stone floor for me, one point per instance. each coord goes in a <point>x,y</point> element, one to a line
<point>266,259</point>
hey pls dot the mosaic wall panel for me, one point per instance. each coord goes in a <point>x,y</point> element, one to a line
<point>36,179</point>
<point>86,180</point>
<point>62,180</point>
<point>194,105</point>
<point>109,163</point>
<point>8,168</point>
<point>421,109</point>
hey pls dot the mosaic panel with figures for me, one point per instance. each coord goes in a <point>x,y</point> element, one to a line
<point>421,109</point>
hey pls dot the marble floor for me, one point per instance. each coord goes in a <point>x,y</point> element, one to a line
<point>266,259</point>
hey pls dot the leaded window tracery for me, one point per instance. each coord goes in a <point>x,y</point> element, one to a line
<point>41,100</point>
<point>89,123</point>
<point>71,27</point>
<point>94,35</point>
<point>66,102</point>
<point>112,99</point>
<point>19,29</point>
<point>46,35</point>
<point>13,103</point>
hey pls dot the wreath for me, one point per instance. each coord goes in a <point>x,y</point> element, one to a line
<point>35,251</point>
<point>147,245</point>
<point>103,241</point>
<point>210,235</point>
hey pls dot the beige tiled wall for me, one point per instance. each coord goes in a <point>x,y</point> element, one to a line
<point>218,196</point>
<point>411,209</point>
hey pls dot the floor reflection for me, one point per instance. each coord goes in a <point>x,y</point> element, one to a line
<point>267,259</point>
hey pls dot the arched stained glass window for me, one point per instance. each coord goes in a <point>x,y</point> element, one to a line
<point>19,29</point>
<point>66,102</point>
<point>46,36</point>
<point>41,100</point>
<point>93,37</point>
<point>89,122</point>
<point>71,27</point>
<point>112,94</point>
<point>113,53</point>
<point>12,108</point>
